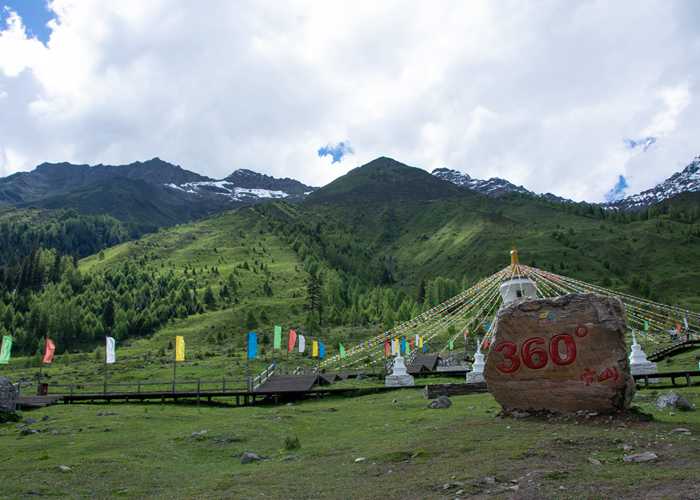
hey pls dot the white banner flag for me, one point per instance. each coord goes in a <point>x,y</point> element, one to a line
<point>110,351</point>
<point>302,343</point>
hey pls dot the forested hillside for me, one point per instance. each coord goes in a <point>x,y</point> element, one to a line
<point>349,257</point>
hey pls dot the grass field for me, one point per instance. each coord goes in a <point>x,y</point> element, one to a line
<point>379,446</point>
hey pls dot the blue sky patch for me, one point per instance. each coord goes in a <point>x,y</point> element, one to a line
<point>336,151</point>
<point>645,143</point>
<point>34,13</point>
<point>618,191</point>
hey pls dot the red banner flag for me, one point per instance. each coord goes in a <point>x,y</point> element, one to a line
<point>486,344</point>
<point>292,340</point>
<point>49,349</point>
<point>387,348</point>
<point>678,327</point>
<point>412,342</point>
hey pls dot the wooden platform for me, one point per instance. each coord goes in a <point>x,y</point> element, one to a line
<point>686,376</point>
<point>674,349</point>
<point>33,402</point>
<point>432,391</point>
<point>280,384</point>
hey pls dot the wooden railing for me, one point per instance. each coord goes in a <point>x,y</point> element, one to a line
<point>262,377</point>
<point>222,385</point>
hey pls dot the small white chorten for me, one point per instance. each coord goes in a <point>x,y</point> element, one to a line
<point>639,364</point>
<point>399,375</point>
<point>517,288</point>
<point>477,374</point>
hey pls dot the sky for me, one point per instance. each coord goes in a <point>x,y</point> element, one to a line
<point>588,100</point>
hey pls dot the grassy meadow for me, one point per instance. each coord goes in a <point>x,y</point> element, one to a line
<point>377,446</point>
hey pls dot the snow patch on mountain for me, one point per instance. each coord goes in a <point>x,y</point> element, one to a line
<point>229,190</point>
<point>494,186</point>
<point>687,180</point>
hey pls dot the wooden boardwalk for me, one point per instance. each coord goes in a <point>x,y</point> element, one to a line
<point>283,384</point>
<point>687,376</point>
<point>674,349</point>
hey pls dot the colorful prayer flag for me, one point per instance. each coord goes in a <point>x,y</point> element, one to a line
<point>451,344</point>
<point>425,347</point>
<point>403,345</point>
<point>49,349</point>
<point>417,340</point>
<point>277,342</point>
<point>110,350</point>
<point>678,327</point>
<point>5,350</point>
<point>420,341</point>
<point>646,325</point>
<point>179,348</point>
<point>387,348</point>
<point>292,340</point>
<point>314,349</point>
<point>341,350</point>
<point>321,350</point>
<point>302,344</point>
<point>252,345</point>
<point>685,321</point>
<point>412,344</point>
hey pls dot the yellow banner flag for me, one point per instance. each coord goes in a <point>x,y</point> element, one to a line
<point>420,341</point>
<point>179,348</point>
<point>314,349</point>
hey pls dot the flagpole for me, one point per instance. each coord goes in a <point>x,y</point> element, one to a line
<point>174,365</point>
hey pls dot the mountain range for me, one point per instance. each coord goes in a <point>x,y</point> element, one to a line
<point>156,193</point>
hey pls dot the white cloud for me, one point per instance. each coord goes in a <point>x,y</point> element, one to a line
<point>541,93</point>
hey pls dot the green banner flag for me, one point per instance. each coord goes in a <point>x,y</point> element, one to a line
<point>646,326</point>
<point>342,350</point>
<point>452,344</point>
<point>5,350</point>
<point>278,338</point>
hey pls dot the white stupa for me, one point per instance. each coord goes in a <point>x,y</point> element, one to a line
<point>639,364</point>
<point>399,375</point>
<point>517,287</point>
<point>476,376</point>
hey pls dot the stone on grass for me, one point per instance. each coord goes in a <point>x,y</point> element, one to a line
<point>441,402</point>
<point>64,468</point>
<point>674,401</point>
<point>594,461</point>
<point>249,457</point>
<point>646,456</point>
<point>200,435</point>
<point>360,459</point>
<point>681,430</point>
<point>565,355</point>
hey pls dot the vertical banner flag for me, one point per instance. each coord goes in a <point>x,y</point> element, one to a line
<point>425,347</point>
<point>403,345</point>
<point>292,340</point>
<point>314,349</point>
<point>466,334</point>
<point>451,344</point>
<point>179,348</point>
<point>6,349</point>
<point>321,350</point>
<point>49,349</point>
<point>341,350</point>
<point>277,343</point>
<point>395,346</point>
<point>678,327</point>
<point>685,321</point>
<point>110,350</point>
<point>646,325</point>
<point>417,340</point>
<point>302,343</point>
<point>412,344</point>
<point>252,345</point>
<point>387,348</point>
<point>420,341</point>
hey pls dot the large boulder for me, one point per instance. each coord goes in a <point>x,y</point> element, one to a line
<point>8,395</point>
<point>564,355</point>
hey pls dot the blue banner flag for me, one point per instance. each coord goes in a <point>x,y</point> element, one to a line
<point>403,345</point>
<point>252,345</point>
<point>425,346</point>
<point>321,350</point>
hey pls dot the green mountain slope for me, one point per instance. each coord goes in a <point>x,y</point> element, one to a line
<point>384,179</point>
